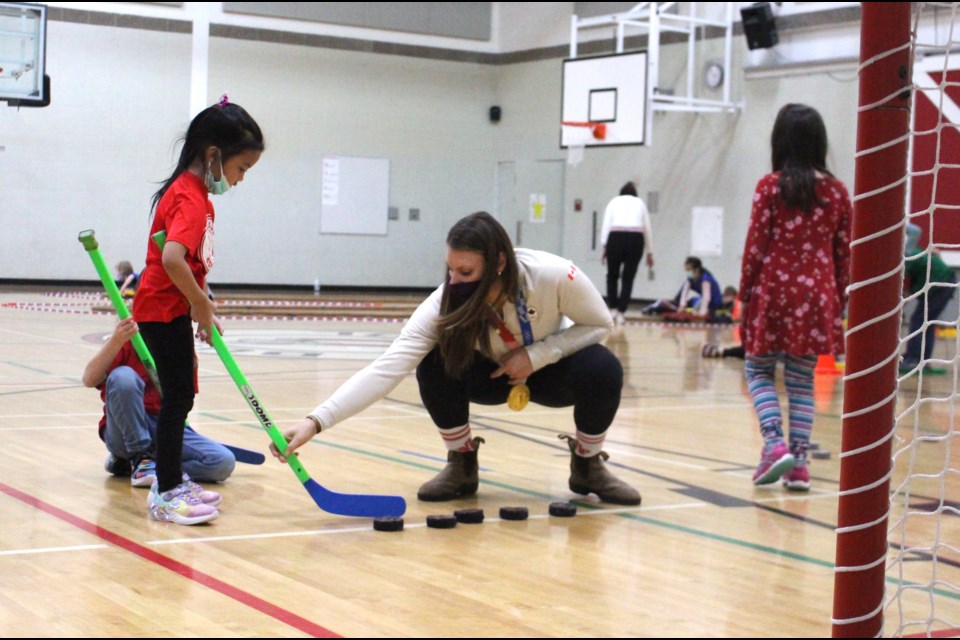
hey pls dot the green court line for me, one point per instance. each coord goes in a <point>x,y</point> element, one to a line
<point>632,516</point>
<point>23,366</point>
<point>629,516</point>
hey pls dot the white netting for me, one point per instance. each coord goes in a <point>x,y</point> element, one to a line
<point>575,154</point>
<point>923,568</point>
<point>577,135</point>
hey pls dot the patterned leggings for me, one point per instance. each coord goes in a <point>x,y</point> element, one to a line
<point>798,379</point>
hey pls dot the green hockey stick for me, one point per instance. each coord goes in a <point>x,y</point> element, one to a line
<point>344,504</point>
<point>89,241</point>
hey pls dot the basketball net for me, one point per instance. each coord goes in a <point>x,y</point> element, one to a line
<point>577,141</point>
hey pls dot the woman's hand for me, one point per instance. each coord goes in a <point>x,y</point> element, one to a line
<point>516,365</point>
<point>298,435</point>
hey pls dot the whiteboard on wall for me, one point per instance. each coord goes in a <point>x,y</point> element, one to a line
<point>355,194</point>
<point>707,232</point>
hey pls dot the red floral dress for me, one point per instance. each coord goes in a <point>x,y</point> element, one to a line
<point>795,271</point>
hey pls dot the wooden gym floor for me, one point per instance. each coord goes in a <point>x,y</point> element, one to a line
<point>706,555</point>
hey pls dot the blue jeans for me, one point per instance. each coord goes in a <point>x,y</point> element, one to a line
<point>935,301</point>
<point>131,431</point>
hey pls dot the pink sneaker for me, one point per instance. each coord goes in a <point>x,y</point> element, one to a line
<point>773,464</point>
<point>797,479</point>
<point>178,505</point>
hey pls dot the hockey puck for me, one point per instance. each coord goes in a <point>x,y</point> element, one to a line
<point>388,523</point>
<point>469,516</point>
<point>514,513</point>
<point>441,522</point>
<point>820,454</point>
<point>563,509</point>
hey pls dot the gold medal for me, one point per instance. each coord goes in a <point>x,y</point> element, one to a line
<point>519,397</point>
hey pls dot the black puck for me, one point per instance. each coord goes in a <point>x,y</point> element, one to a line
<point>441,522</point>
<point>469,516</point>
<point>563,509</point>
<point>388,523</point>
<point>514,513</point>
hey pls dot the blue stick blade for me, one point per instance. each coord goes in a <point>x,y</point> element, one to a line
<point>246,456</point>
<point>359,505</point>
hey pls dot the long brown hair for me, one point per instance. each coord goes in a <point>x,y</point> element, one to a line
<point>461,328</point>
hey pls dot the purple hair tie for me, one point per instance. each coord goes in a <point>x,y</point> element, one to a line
<point>224,101</point>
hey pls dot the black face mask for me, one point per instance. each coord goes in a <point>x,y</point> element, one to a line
<point>461,292</point>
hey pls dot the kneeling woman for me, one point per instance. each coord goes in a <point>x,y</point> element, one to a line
<point>494,331</point>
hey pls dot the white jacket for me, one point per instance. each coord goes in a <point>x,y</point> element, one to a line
<point>566,311</point>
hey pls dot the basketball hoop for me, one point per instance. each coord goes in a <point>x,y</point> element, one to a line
<point>598,129</point>
<point>577,141</point>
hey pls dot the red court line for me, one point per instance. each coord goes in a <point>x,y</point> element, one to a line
<point>287,617</point>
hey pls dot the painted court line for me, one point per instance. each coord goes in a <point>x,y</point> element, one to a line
<point>79,547</point>
<point>351,530</point>
<point>618,451</point>
<point>243,597</point>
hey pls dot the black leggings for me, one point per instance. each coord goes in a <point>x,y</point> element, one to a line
<point>590,379</point>
<point>623,248</point>
<point>171,345</point>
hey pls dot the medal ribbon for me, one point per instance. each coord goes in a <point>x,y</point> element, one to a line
<point>525,329</point>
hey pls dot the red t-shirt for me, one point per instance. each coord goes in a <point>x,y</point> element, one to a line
<point>127,356</point>
<point>186,213</point>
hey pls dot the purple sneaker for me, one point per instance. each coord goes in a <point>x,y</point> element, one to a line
<point>797,479</point>
<point>773,463</point>
<point>209,498</point>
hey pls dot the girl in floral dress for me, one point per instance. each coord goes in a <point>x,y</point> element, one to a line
<point>793,282</point>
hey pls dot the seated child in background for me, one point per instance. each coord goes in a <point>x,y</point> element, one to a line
<point>127,279</point>
<point>929,305</point>
<point>728,313</point>
<point>699,299</point>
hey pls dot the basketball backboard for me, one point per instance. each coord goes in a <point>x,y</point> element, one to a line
<point>23,41</point>
<point>609,89</point>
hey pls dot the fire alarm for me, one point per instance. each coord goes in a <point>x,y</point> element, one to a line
<point>578,205</point>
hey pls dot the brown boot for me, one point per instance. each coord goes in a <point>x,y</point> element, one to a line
<point>589,475</point>
<point>458,478</point>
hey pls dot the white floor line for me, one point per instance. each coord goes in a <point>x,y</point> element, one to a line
<point>92,425</point>
<point>81,547</point>
<point>39,337</point>
<point>417,525</point>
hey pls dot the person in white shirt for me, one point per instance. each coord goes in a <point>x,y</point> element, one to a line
<point>624,234</point>
<point>503,320</point>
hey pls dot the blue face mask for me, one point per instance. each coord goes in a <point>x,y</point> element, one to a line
<point>214,186</point>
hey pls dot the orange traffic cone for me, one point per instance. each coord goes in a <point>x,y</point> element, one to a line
<point>827,364</point>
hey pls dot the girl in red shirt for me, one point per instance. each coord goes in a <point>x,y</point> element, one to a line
<point>796,265</point>
<point>222,143</point>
